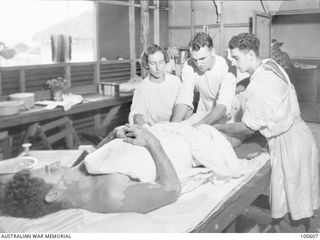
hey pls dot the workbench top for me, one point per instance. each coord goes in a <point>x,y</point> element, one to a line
<point>91,101</point>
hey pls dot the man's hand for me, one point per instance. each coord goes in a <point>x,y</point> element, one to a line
<point>220,127</point>
<point>120,133</point>
<point>216,113</point>
<point>139,136</point>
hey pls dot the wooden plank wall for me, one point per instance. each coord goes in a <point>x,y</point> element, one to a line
<point>119,72</point>
<point>82,75</point>
<point>35,79</point>
<point>10,82</point>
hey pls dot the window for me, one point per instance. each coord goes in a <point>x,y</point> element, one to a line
<point>27,26</point>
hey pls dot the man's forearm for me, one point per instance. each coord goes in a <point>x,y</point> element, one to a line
<point>215,115</point>
<point>142,196</point>
<point>235,129</point>
<point>179,112</point>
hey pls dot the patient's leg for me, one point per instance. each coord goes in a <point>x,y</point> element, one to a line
<point>208,147</point>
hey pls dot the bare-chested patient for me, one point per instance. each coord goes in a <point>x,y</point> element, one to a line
<point>55,187</point>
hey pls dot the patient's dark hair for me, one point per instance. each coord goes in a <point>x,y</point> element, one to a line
<point>24,196</point>
<point>151,49</point>
<point>245,41</point>
<point>200,40</point>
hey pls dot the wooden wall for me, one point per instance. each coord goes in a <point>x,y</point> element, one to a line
<point>300,34</point>
<point>35,77</point>
<point>114,30</point>
<point>189,16</point>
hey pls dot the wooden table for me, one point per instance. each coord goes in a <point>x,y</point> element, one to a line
<point>67,157</point>
<point>39,113</point>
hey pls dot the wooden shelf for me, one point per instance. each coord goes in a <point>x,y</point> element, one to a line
<point>39,113</point>
<point>296,11</point>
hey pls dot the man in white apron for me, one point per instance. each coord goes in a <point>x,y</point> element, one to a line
<point>270,106</point>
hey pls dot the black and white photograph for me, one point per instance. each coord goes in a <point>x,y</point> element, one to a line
<point>159,117</point>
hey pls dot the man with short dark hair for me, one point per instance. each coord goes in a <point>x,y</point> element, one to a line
<point>208,74</point>
<point>270,106</point>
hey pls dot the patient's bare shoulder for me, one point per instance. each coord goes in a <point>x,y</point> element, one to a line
<point>108,192</point>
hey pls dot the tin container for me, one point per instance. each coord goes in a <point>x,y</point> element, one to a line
<point>109,89</point>
<point>183,56</point>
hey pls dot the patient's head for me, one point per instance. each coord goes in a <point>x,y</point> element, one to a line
<point>26,194</point>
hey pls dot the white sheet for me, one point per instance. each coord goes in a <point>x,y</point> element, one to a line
<point>184,145</point>
<point>197,205</point>
<point>82,221</point>
<point>184,215</point>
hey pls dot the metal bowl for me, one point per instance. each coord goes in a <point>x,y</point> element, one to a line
<point>14,165</point>
<point>26,98</point>
<point>8,108</point>
<point>11,166</point>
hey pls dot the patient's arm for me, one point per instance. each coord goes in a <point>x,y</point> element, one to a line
<point>144,197</point>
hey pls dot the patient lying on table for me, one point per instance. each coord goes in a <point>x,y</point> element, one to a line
<point>94,187</point>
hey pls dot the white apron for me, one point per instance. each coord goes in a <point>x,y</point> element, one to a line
<point>271,106</point>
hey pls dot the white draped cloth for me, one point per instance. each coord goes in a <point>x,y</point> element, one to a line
<point>186,146</point>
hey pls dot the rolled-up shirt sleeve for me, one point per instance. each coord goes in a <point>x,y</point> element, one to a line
<point>138,105</point>
<point>185,94</point>
<point>227,91</point>
<point>257,112</point>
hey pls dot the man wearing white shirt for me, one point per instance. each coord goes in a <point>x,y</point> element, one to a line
<point>208,74</point>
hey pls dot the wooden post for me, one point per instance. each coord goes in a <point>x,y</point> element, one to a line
<point>171,23</point>
<point>144,34</point>
<point>22,80</point>
<point>0,84</point>
<point>156,22</point>
<point>193,18</point>
<point>132,37</point>
<point>221,30</point>
<point>96,43</point>
<point>67,73</point>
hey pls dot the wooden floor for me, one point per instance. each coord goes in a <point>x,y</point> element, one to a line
<point>245,224</point>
